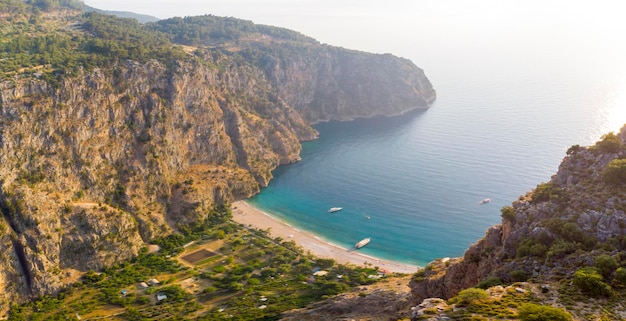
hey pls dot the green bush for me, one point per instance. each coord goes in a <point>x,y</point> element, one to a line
<point>606,264</point>
<point>545,192</point>
<point>561,248</point>
<point>468,296</point>
<point>615,172</point>
<point>518,276</point>
<point>535,312</point>
<point>508,213</point>
<point>620,277</point>
<point>536,245</point>
<point>589,281</point>
<point>609,143</point>
<point>489,282</point>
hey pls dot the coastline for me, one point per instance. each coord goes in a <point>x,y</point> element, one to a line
<point>248,215</point>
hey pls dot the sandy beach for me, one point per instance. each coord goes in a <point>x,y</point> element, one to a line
<point>248,215</point>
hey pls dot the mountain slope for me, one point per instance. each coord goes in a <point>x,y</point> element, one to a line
<point>567,234</point>
<point>112,134</point>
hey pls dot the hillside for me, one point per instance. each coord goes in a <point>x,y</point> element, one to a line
<point>564,242</point>
<point>114,133</point>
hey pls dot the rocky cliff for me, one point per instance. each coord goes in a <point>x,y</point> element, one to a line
<point>549,233</point>
<point>100,160</point>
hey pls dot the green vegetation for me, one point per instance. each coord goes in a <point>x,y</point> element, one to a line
<point>564,238</point>
<point>508,213</point>
<point>477,304</point>
<point>98,41</point>
<point>615,172</point>
<point>589,281</point>
<point>489,282</point>
<point>248,269</point>
<point>211,30</point>
<point>605,264</point>
<point>545,192</point>
<point>609,143</point>
<point>469,296</point>
<point>535,312</point>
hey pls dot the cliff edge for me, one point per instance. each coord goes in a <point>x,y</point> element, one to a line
<point>564,230</point>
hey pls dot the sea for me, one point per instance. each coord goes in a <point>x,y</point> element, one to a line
<point>511,99</point>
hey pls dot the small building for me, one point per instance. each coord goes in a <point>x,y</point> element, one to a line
<point>160,297</point>
<point>124,292</point>
<point>153,282</point>
<point>143,285</point>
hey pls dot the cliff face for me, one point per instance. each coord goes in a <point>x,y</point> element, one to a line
<point>547,234</point>
<point>336,84</point>
<point>94,167</point>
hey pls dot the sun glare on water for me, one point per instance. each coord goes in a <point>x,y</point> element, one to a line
<point>616,109</point>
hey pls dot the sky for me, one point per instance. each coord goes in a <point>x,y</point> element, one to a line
<point>556,34</point>
<point>362,24</point>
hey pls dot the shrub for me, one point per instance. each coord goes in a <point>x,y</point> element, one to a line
<point>573,149</point>
<point>545,192</point>
<point>561,248</point>
<point>615,172</point>
<point>620,277</point>
<point>609,143</point>
<point>518,276</point>
<point>535,312</point>
<point>508,213</point>
<point>469,296</point>
<point>589,281</point>
<point>606,264</point>
<point>534,246</point>
<point>489,282</point>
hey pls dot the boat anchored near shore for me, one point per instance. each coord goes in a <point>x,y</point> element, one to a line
<point>335,209</point>
<point>362,243</point>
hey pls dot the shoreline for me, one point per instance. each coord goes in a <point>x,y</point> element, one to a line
<point>248,215</point>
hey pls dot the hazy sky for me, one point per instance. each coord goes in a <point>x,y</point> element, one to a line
<point>482,36</point>
<point>359,24</point>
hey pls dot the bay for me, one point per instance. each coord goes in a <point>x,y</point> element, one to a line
<point>420,177</point>
<point>515,91</point>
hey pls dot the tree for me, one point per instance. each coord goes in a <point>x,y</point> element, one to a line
<point>508,213</point>
<point>615,172</point>
<point>589,281</point>
<point>535,312</point>
<point>606,264</point>
<point>609,143</point>
<point>620,277</point>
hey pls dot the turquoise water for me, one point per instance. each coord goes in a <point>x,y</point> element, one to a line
<point>518,82</point>
<point>420,177</point>
<point>512,98</point>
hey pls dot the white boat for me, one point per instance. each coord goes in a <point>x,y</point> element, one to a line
<point>485,201</point>
<point>335,209</point>
<point>362,243</point>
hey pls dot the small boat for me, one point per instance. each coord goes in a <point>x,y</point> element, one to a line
<point>485,201</point>
<point>367,217</point>
<point>335,209</point>
<point>362,243</point>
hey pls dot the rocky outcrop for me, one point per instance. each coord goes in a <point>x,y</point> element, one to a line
<point>336,84</point>
<point>546,234</point>
<point>382,301</point>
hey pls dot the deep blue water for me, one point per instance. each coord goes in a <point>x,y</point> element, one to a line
<point>503,119</point>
